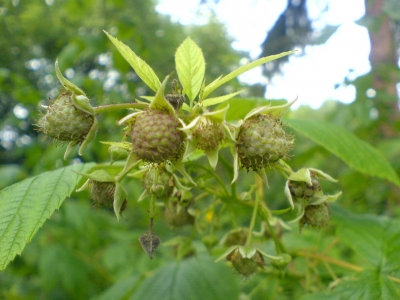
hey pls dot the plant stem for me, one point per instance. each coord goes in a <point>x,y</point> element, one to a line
<point>253,220</point>
<point>131,162</point>
<point>278,245</point>
<point>112,107</point>
<point>152,207</point>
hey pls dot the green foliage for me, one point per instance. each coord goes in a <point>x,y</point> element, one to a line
<point>355,152</point>
<point>26,205</point>
<point>83,252</point>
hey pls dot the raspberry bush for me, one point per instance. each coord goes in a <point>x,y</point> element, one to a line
<point>179,145</point>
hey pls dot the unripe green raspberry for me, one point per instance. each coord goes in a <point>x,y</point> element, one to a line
<point>164,185</point>
<point>65,122</point>
<point>246,266</point>
<point>102,194</point>
<point>300,189</point>
<point>317,216</point>
<point>156,136</point>
<point>208,134</point>
<point>262,142</point>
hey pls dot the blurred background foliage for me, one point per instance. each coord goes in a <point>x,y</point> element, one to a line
<point>81,251</point>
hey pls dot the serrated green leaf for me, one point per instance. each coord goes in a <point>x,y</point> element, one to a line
<point>218,100</point>
<point>142,69</point>
<point>190,66</point>
<point>119,291</point>
<point>353,151</point>
<point>368,285</point>
<point>220,81</point>
<point>26,205</point>
<point>195,278</point>
<point>376,239</point>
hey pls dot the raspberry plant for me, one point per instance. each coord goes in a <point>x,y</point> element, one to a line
<point>164,138</point>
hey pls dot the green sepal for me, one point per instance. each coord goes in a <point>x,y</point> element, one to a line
<point>117,153</point>
<point>213,158</point>
<point>278,110</point>
<point>90,136</point>
<point>227,252</point>
<point>247,252</point>
<point>120,196</point>
<point>131,162</point>
<point>263,175</point>
<point>301,206</point>
<point>70,147</point>
<point>99,175</point>
<point>68,85</point>
<point>82,102</point>
<point>273,257</point>
<point>159,102</point>
<point>179,166</point>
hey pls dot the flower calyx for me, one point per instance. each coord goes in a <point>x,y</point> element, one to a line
<point>105,191</point>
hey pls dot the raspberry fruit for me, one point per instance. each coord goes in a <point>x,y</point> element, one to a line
<point>317,216</point>
<point>208,134</point>
<point>262,142</point>
<point>65,122</point>
<point>163,186</point>
<point>156,136</point>
<point>300,189</point>
<point>102,194</point>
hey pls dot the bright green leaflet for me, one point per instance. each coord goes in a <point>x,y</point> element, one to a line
<point>190,66</point>
<point>353,151</point>
<point>218,100</point>
<point>194,278</point>
<point>26,205</point>
<point>142,69</point>
<point>220,81</point>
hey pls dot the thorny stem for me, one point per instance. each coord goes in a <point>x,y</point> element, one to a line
<point>112,107</point>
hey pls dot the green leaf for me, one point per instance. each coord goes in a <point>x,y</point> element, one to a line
<point>25,206</point>
<point>190,66</point>
<point>376,239</point>
<point>356,153</point>
<point>218,100</point>
<point>142,69</point>
<point>194,278</point>
<point>119,291</point>
<point>220,81</point>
